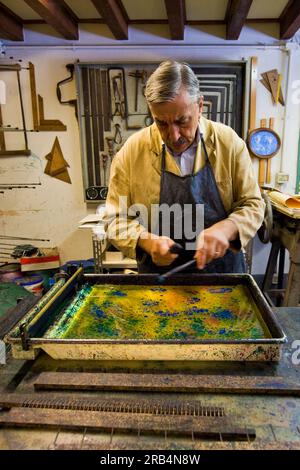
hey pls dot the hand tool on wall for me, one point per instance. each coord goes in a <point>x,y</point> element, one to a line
<point>104,166</point>
<point>118,93</point>
<point>3,152</point>
<point>122,84</point>
<point>118,136</point>
<point>48,124</point>
<point>39,121</point>
<point>70,68</point>
<point>138,75</point>
<point>148,119</point>
<point>111,147</point>
<point>86,103</point>
<point>96,118</point>
<point>106,100</point>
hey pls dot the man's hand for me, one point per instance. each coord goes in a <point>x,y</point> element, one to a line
<point>158,248</point>
<point>214,241</point>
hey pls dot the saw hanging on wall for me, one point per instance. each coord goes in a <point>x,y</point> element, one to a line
<point>3,151</point>
<point>56,164</point>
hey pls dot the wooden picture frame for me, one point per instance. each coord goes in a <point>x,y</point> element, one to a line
<point>261,147</point>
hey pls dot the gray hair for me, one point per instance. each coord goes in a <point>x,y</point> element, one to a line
<point>166,81</point>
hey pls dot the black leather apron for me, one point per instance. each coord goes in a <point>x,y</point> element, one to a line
<point>198,188</point>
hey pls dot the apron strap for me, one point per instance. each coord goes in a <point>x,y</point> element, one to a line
<point>163,158</point>
<point>204,148</point>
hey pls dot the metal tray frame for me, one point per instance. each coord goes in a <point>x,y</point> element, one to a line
<point>27,339</point>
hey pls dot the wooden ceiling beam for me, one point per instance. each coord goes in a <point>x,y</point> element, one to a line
<point>236,16</point>
<point>114,15</point>
<point>11,26</point>
<point>176,16</point>
<point>58,15</point>
<point>290,19</point>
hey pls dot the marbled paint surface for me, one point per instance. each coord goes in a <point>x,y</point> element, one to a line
<point>161,312</point>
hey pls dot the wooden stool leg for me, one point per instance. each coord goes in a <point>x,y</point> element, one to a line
<point>271,266</point>
<point>281,267</point>
<point>292,293</point>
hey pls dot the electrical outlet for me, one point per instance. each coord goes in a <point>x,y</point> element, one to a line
<point>282,178</point>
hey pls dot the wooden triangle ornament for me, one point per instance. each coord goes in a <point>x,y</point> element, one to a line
<point>56,164</point>
<point>272,82</point>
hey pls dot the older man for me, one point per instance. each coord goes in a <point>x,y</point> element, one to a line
<point>186,160</point>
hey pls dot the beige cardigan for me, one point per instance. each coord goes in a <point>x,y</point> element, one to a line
<point>136,170</point>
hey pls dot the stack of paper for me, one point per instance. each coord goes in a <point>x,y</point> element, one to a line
<point>287,203</point>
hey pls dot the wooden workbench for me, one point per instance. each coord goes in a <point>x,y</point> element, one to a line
<point>276,419</point>
<point>285,236</point>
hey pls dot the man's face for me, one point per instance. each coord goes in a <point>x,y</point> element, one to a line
<point>177,121</point>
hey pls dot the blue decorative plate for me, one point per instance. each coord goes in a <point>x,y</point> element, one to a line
<point>264,142</point>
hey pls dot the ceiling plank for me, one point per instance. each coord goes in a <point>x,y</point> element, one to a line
<point>11,26</point>
<point>57,14</point>
<point>290,20</point>
<point>236,15</point>
<point>114,15</point>
<point>176,16</point>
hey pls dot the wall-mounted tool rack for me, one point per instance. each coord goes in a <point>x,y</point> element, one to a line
<point>112,106</point>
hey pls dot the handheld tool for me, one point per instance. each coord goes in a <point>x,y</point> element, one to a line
<point>176,249</point>
<point>178,269</point>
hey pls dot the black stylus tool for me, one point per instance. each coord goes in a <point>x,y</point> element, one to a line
<point>177,249</point>
<point>178,269</point>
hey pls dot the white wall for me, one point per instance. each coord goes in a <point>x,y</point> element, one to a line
<point>53,209</point>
